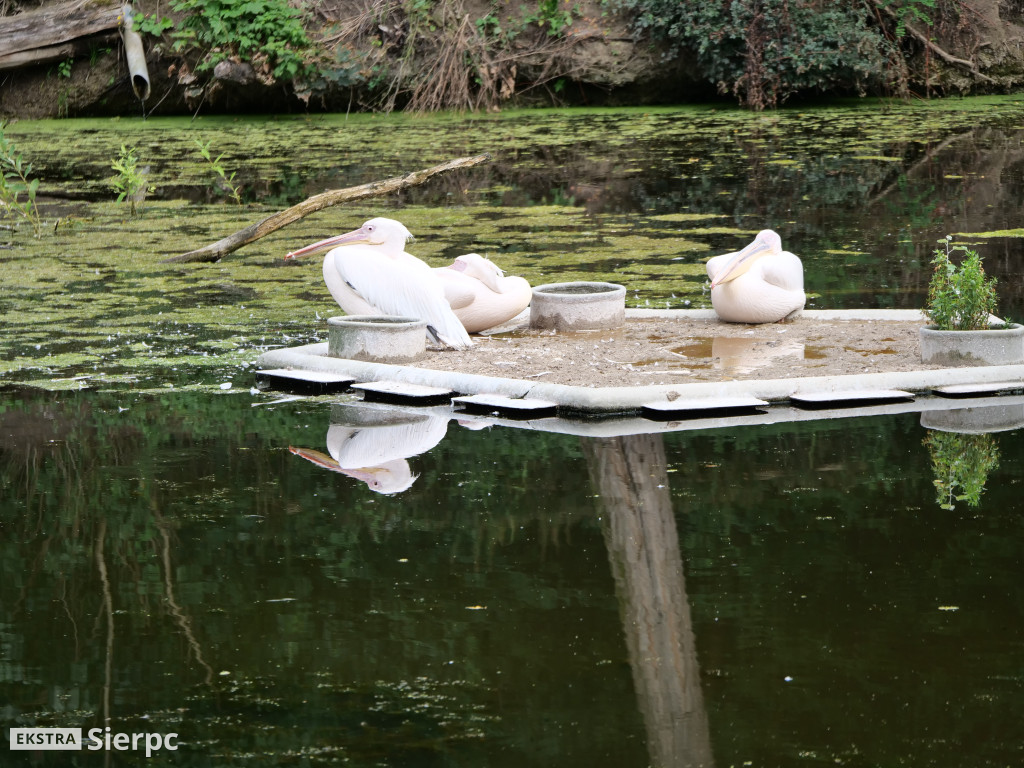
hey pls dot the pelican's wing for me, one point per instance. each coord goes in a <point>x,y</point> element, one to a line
<point>784,270</point>
<point>458,289</point>
<point>402,286</point>
<point>371,446</point>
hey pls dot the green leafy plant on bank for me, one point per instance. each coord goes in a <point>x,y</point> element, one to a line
<point>15,182</point>
<point>764,51</point>
<point>906,11</point>
<point>130,182</point>
<point>961,464</point>
<point>554,15</point>
<point>64,86</point>
<point>146,24</point>
<point>226,179</point>
<point>266,33</point>
<point>960,298</point>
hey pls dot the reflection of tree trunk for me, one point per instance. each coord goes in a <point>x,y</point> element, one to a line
<point>108,609</point>
<point>643,546</point>
<point>182,620</point>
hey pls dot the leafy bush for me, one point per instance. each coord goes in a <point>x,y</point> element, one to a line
<point>257,31</point>
<point>763,51</point>
<point>960,298</point>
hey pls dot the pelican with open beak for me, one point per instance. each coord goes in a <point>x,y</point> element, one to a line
<point>760,284</point>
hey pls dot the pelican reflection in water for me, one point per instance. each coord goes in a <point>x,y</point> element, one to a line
<point>760,284</point>
<point>373,446</point>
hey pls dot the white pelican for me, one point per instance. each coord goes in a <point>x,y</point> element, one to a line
<point>480,294</point>
<point>760,284</point>
<point>371,274</point>
<point>376,453</point>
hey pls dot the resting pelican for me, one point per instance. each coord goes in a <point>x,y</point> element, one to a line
<point>376,453</point>
<point>760,284</point>
<point>480,294</point>
<point>371,274</point>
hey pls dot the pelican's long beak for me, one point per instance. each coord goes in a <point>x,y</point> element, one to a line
<point>741,262</point>
<point>365,474</point>
<point>319,458</point>
<point>355,236</point>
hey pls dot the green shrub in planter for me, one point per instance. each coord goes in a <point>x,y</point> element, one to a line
<point>960,298</point>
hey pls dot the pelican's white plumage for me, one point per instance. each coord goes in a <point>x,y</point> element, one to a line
<point>760,284</point>
<point>369,273</point>
<point>480,294</point>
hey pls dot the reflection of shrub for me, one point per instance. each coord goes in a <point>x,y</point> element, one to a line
<point>961,461</point>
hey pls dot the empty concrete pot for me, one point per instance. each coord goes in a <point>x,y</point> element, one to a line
<point>376,338</point>
<point>578,306</point>
<point>996,346</point>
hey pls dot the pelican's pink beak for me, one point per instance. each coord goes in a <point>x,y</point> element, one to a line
<point>458,265</point>
<point>319,458</point>
<point>355,236</point>
<point>739,263</point>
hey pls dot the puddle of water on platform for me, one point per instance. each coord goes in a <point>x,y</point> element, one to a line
<point>740,355</point>
<point>869,352</point>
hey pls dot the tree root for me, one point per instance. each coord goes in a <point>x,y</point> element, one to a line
<point>943,54</point>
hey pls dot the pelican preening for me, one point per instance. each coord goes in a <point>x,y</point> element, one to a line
<point>760,284</point>
<point>480,294</point>
<point>369,273</point>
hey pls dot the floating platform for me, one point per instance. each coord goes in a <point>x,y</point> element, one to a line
<point>748,400</point>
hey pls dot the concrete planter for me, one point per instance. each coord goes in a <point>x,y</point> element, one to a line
<point>376,338</point>
<point>578,306</point>
<point>1002,346</point>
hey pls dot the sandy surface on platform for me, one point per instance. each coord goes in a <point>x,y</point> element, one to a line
<point>671,351</point>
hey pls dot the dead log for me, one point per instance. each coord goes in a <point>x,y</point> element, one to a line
<point>316,203</point>
<point>51,53</point>
<point>36,36</point>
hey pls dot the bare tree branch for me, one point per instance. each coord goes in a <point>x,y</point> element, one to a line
<point>316,203</point>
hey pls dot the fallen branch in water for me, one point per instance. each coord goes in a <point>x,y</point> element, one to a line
<point>317,203</point>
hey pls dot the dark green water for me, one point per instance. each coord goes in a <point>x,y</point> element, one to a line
<point>170,565</point>
<point>787,595</point>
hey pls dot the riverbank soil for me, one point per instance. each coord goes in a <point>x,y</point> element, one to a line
<point>661,351</point>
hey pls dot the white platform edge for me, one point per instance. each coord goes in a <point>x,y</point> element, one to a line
<point>610,400</point>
